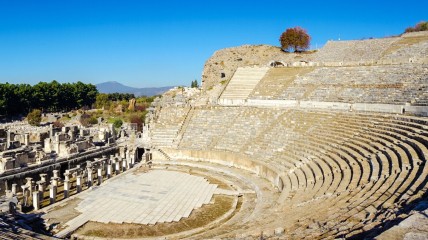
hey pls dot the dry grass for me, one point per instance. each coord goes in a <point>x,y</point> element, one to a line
<point>404,42</point>
<point>198,218</point>
<point>278,79</point>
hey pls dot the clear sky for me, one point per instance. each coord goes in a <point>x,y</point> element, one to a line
<point>164,43</point>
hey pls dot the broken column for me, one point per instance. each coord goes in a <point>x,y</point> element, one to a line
<point>79,183</point>
<point>25,194</point>
<point>89,170</point>
<point>109,169</point>
<point>55,173</point>
<point>124,165</point>
<point>41,189</point>
<point>36,200</point>
<point>52,193</point>
<point>66,188</point>
<point>100,175</point>
<point>117,167</point>
<point>66,176</point>
<point>14,188</point>
<point>43,177</point>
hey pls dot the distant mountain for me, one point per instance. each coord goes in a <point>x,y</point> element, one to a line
<point>115,87</point>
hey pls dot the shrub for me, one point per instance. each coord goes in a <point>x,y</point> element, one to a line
<point>422,26</point>
<point>58,124</point>
<point>87,120</point>
<point>117,123</point>
<point>34,117</point>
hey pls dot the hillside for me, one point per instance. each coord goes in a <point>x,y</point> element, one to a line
<point>113,87</point>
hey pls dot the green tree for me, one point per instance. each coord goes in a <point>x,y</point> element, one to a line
<point>295,39</point>
<point>102,101</point>
<point>34,117</point>
<point>194,84</point>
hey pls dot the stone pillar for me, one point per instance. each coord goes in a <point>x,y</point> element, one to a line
<point>25,195</point>
<point>90,182</point>
<point>117,167</point>
<point>51,130</point>
<point>14,188</point>
<point>36,200</point>
<point>109,170</point>
<point>66,188</point>
<point>52,193</point>
<point>29,184</point>
<point>100,175</point>
<point>55,173</point>
<point>54,181</point>
<point>124,165</point>
<point>67,176</point>
<point>43,177</point>
<point>41,189</point>
<point>79,183</point>
<point>26,139</point>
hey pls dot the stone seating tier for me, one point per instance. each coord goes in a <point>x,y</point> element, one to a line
<point>359,166</point>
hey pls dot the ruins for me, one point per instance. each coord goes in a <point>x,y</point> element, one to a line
<point>327,144</point>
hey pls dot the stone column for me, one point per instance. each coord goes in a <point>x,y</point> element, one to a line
<point>90,182</point>
<point>14,188</point>
<point>29,184</point>
<point>66,188</point>
<point>100,175</point>
<point>117,167</point>
<point>26,139</point>
<point>55,173</point>
<point>41,189</point>
<point>79,183</point>
<point>25,195</point>
<point>67,176</point>
<point>124,164</point>
<point>36,200</point>
<point>43,177</point>
<point>109,170</point>
<point>52,193</point>
<point>54,181</point>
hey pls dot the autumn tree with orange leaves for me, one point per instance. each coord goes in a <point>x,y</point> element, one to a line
<point>295,39</point>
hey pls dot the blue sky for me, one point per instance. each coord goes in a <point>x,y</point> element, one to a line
<point>154,43</point>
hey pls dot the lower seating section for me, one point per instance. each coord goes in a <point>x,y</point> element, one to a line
<point>345,171</point>
<point>388,84</point>
<point>167,125</point>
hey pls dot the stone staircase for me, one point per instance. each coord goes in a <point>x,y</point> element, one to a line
<point>243,83</point>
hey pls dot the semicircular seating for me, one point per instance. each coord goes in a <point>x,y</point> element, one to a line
<point>343,172</point>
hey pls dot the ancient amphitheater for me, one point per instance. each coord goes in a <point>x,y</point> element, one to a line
<point>324,144</point>
<point>328,144</point>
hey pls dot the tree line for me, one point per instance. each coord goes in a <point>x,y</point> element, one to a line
<point>20,99</point>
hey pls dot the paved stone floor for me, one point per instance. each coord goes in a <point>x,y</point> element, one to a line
<point>144,198</point>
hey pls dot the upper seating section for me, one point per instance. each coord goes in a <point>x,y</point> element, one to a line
<point>354,51</point>
<point>390,84</point>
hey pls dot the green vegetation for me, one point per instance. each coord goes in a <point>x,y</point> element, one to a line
<point>194,84</point>
<point>117,123</point>
<point>17,99</point>
<point>422,26</point>
<point>34,117</point>
<point>295,39</point>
